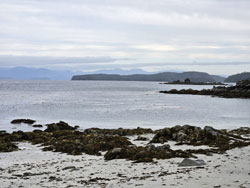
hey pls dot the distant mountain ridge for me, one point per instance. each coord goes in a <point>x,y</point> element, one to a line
<point>24,73</point>
<point>238,77</point>
<point>119,71</point>
<point>27,73</point>
<point>163,77</point>
<point>218,78</point>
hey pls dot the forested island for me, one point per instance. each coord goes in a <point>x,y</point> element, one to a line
<point>165,77</point>
<point>185,78</point>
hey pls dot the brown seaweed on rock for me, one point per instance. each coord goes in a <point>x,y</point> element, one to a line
<point>69,141</point>
<point>191,135</point>
<point>7,146</point>
<point>145,154</point>
<point>59,126</point>
<point>119,131</point>
<point>61,137</point>
<point>76,143</point>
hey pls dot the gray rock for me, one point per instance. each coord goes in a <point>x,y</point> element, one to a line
<point>211,133</point>
<point>69,167</point>
<point>216,186</point>
<point>186,127</point>
<point>150,147</point>
<point>190,162</point>
<point>141,138</point>
<point>164,147</point>
<point>180,136</point>
<point>176,128</point>
<point>116,150</point>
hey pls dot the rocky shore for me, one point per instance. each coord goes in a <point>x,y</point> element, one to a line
<point>192,83</point>
<point>240,90</point>
<point>61,137</point>
<point>144,146</point>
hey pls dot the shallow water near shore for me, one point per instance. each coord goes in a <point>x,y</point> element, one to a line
<point>114,104</point>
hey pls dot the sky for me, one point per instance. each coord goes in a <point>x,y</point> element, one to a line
<point>154,35</point>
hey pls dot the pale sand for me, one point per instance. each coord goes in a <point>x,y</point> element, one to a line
<point>225,170</point>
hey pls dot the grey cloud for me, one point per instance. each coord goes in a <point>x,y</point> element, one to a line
<point>104,33</point>
<point>51,61</point>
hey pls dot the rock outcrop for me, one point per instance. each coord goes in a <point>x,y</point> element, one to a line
<point>240,90</point>
<point>61,137</point>
<point>119,131</point>
<point>178,82</point>
<point>220,140</point>
<point>145,154</point>
<point>59,126</point>
<point>25,121</point>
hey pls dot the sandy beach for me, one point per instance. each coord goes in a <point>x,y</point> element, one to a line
<point>31,167</point>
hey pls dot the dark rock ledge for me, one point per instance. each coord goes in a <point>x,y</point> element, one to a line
<point>25,121</point>
<point>61,137</point>
<point>241,90</point>
<point>192,83</point>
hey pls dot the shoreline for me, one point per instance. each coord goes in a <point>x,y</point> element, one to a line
<point>240,90</point>
<point>32,166</point>
<point>195,83</point>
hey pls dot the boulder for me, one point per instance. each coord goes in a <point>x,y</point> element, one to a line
<point>116,153</point>
<point>150,147</point>
<point>190,162</point>
<point>58,126</point>
<point>211,133</point>
<point>6,146</point>
<point>37,126</point>
<point>181,136</point>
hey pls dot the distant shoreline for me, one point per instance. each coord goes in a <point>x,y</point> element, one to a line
<point>194,83</point>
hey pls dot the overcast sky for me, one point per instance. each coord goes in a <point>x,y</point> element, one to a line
<point>154,35</point>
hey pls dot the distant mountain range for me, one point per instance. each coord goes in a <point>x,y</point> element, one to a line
<point>26,73</point>
<point>162,77</point>
<point>120,71</point>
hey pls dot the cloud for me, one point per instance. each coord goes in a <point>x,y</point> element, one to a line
<point>7,61</point>
<point>144,31</point>
<point>155,47</point>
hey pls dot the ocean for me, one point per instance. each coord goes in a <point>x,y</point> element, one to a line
<point>114,104</point>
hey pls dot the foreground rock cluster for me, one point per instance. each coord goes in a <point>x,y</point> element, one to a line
<point>240,90</point>
<point>61,137</point>
<point>219,140</point>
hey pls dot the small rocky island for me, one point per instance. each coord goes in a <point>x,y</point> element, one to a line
<point>240,90</point>
<point>187,81</point>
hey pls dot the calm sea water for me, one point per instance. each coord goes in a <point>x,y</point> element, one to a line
<point>113,104</point>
